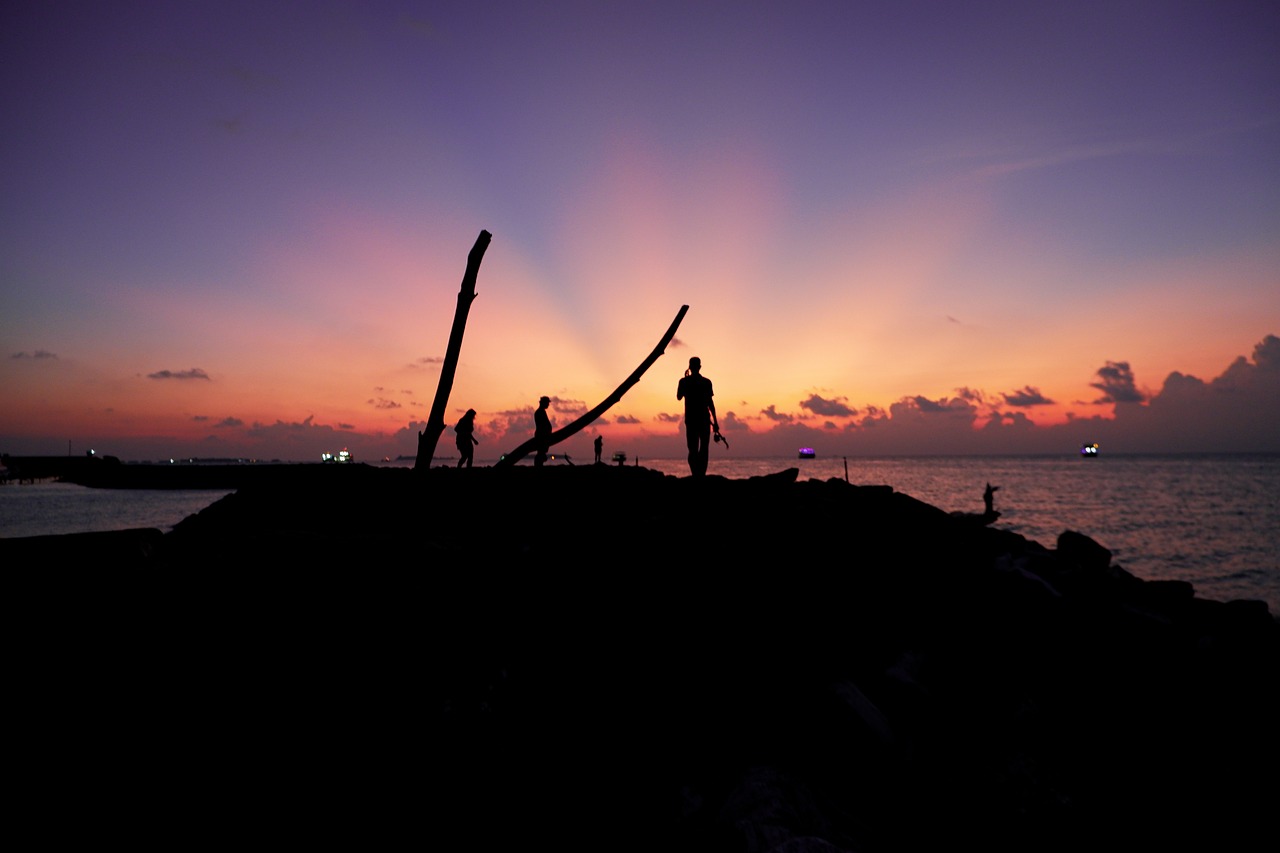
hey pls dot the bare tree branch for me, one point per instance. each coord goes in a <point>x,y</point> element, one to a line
<point>564,432</point>
<point>429,437</point>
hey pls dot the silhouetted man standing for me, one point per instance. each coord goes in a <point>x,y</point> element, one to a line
<point>542,431</point>
<point>699,415</point>
<point>599,447</point>
<point>989,498</point>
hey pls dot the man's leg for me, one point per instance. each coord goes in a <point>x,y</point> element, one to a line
<point>703,450</point>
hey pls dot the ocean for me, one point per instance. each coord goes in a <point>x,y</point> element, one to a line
<point>1212,520</point>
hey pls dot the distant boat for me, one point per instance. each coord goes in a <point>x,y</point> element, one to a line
<point>807,453</point>
<point>343,456</point>
<point>1089,451</point>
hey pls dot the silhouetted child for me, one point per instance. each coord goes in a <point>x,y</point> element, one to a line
<point>465,438</point>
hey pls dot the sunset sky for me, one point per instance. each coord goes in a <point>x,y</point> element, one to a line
<point>239,229</point>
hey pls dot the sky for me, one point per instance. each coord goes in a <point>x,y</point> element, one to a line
<point>239,229</point>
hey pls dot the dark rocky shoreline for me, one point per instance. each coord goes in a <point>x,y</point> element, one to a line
<point>608,658</point>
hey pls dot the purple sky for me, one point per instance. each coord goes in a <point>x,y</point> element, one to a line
<point>238,228</point>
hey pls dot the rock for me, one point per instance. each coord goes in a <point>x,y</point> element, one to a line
<point>614,658</point>
<point>1084,552</point>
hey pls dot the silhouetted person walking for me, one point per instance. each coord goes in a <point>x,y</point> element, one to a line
<point>699,415</point>
<point>465,438</point>
<point>542,431</point>
<point>599,447</point>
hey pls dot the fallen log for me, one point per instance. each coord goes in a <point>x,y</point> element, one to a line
<point>564,432</point>
<point>429,437</point>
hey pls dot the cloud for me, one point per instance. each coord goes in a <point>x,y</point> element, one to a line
<point>774,415</point>
<point>39,354</point>
<point>973,395</point>
<point>924,404</point>
<point>1028,396</point>
<point>828,408</point>
<point>1239,410</point>
<point>429,360</point>
<point>668,418</point>
<point>383,403</point>
<point>229,423</point>
<point>346,426</point>
<point>564,406</point>
<point>1115,381</point>
<point>193,373</point>
<point>676,343</point>
<point>626,419</point>
<point>260,429</point>
<point>731,421</point>
<point>199,418</point>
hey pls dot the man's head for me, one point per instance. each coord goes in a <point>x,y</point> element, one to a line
<point>695,364</point>
<point>543,402</point>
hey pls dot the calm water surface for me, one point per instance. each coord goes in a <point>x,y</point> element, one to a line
<point>50,508</point>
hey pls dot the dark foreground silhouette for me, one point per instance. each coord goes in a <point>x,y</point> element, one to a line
<point>520,658</point>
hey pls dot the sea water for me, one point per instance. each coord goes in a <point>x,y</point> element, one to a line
<point>47,508</point>
<point>1211,520</point>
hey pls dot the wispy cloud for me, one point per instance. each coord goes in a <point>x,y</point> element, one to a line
<point>193,373</point>
<point>1027,396</point>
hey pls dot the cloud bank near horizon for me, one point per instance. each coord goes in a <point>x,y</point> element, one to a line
<point>1237,411</point>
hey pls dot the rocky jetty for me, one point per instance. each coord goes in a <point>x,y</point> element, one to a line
<point>604,657</point>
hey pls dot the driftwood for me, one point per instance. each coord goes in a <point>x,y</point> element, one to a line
<point>564,432</point>
<point>429,437</point>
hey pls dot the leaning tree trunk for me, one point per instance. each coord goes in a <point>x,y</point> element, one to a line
<point>561,434</point>
<point>429,437</point>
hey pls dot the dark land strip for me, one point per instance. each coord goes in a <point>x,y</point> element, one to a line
<point>608,658</point>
